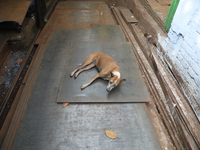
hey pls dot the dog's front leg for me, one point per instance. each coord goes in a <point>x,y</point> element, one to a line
<point>87,84</point>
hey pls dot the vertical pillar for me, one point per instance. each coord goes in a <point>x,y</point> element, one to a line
<point>41,11</point>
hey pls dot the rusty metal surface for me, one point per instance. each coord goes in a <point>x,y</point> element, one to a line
<point>79,5</point>
<point>70,15</point>
<point>68,19</point>
<point>63,49</point>
<point>48,126</point>
<point>12,10</point>
<point>74,15</point>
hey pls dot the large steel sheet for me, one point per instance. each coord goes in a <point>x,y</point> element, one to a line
<point>107,33</point>
<point>48,126</point>
<point>74,15</point>
<point>68,19</point>
<point>133,90</point>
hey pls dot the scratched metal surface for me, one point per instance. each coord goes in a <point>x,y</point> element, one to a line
<point>107,33</point>
<point>108,39</point>
<point>75,15</point>
<point>48,126</point>
<point>133,90</point>
<point>68,19</point>
<point>68,48</point>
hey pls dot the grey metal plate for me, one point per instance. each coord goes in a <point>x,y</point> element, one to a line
<point>98,33</point>
<point>133,90</point>
<point>107,33</point>
<point>71,35</point>
<point>48,126</point>
<point>54,60</point>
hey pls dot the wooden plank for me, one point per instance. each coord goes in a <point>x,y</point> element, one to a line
<point>180,102</point>
<point>164,2</point>
<point>183,115</point>
<point>12,10</point>
<point>127,15</point>
<point>107,17</point>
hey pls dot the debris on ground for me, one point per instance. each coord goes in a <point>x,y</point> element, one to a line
<point>20,61</point>
<point>65,104</point>
<point>111,134</point>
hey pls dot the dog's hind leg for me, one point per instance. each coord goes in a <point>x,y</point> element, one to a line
<point>86,63</point>
<point>89,60</point>
<point>83,69</point>
<point>76,69</point>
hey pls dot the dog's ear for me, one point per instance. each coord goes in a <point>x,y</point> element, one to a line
<point>122,80</point>
<point>112,75</point>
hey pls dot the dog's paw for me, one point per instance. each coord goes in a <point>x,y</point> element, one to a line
<point>82,87</point>
<point>71,74</point>
<point>76,75</point>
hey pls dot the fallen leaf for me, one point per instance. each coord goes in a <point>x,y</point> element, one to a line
<point>65,104</point>
<point>20,61</point>
<point>111,134</point>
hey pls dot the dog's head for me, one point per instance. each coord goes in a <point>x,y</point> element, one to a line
<point>114,81</point>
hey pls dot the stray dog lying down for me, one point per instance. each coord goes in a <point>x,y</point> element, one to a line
<point>108,70</point>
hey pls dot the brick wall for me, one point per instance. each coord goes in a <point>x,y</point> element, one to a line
<point>184,40</point>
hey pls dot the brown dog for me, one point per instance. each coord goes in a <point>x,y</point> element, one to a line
<point>108,70</point>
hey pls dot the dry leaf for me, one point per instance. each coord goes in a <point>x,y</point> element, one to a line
<point>65,104</point>
<point>20,61</point>
<point>111,134</point>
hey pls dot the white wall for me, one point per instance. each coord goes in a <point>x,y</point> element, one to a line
<point>184,40</point>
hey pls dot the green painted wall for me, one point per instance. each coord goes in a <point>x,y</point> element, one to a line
<point>170,14</point>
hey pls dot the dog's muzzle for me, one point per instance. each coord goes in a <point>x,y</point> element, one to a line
<point>108,90</point>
